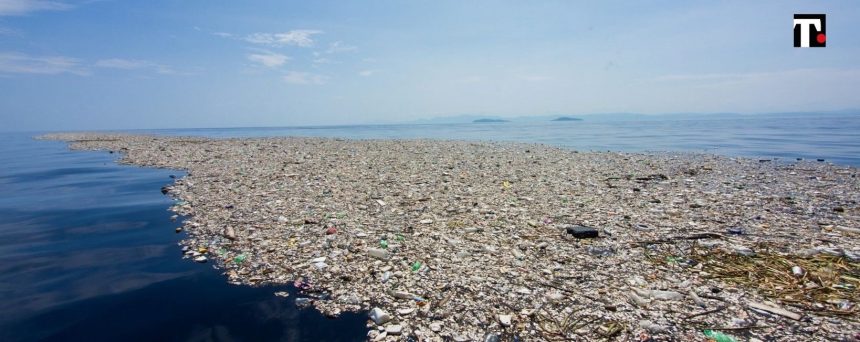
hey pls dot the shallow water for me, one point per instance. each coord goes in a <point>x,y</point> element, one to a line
<point>88,253</point>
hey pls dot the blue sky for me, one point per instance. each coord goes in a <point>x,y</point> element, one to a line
<point>200,63</point>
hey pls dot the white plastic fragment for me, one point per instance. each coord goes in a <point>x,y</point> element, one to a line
<point>378,253</point>
<point>394,329</point>
<point>652,327</point>
<point>797,271</point>
<point>379,316</point>
<point>505,320</point>
<point>666,295</point>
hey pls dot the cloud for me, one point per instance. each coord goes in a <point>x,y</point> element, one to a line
<point>133,64</point>
<point>323,61</point>
<point>223,34</point>
<point>366,73</point>
<point>299,77</point>
<point>338,47</point>
<point>295,37</point>
<point>23,7</point>
<point>18,63</point>
<point>117,63</point>
<point>268,59</point>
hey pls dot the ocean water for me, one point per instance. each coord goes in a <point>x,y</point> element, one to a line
<point>835,138</point>
<point>88,253</point>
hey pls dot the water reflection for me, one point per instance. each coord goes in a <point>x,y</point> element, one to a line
<point>200,307</point>
<point>87,253</point>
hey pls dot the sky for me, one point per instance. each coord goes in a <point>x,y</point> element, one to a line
<point>113,64</point>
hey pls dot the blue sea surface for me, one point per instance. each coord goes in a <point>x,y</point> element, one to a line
<point>835,138</point>
<point>88,252</point>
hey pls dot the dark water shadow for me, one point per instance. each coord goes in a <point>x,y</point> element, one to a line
<point>200,307</point>
<point>88,253</point>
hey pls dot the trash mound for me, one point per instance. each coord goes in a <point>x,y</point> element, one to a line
<point>482,241</point>
<point>820,283</point>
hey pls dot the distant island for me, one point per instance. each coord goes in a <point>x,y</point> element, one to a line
<point>567,118</point>
<point>489,120</point>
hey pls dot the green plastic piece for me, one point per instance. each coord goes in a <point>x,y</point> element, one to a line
<point>718,336</point>
<point>383,243</point>
<point>416,266</point>
<point>239,258</point>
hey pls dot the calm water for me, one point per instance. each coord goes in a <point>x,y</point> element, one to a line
<point>88,253</point>
<point>835,137</point>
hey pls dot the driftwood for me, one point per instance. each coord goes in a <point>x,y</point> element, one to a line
<point>721,308</point>
<point>774,310</point>
<point>697,236</point>
<point>735,328</point>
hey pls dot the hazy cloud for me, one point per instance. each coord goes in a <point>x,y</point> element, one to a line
<point>18,63</point>
<point>366,73</point>
<point>755,77</point>
<point>299,77</point>
<point>301,38</point>
<point>117,63</point>
<point>268,59</point>
<point>323,61</point>
<point>22,7</point>
<point>133,64</point>
<point>338,47</point>
<point>744,91</point>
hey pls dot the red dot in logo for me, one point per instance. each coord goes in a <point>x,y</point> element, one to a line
<point>821,38</point>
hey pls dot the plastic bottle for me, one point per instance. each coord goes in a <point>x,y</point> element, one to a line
<point>718,336</point>
<point>239,258</point>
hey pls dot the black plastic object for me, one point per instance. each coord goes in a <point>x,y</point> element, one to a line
<point>582,232</point>
<point>736,230</point>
